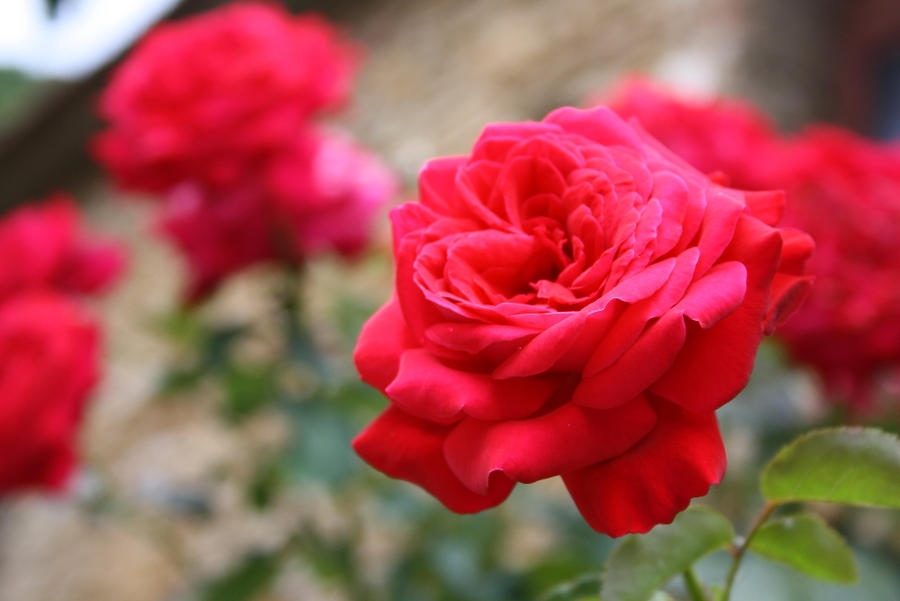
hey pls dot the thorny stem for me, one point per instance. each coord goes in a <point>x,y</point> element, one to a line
<point>742,548</point>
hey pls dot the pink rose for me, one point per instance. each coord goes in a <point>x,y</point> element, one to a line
<point>572,300</point>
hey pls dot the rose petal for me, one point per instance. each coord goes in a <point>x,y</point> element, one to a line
<point>411,449</point>
<point>716,294</point>
<point>600,124</point>
<point>427,388</point>
<point>636,369</point>
<point>382,340</point>
<point>437,183</point>
<point>567,438</point>
<point>544,350</point>
<point>798,248</point>
<point>788,293</point>
<point>654,480</point>
<point>766,205</point>
<point>716,363</point>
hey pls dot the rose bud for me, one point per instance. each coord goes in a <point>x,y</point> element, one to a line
<point>572,300</point>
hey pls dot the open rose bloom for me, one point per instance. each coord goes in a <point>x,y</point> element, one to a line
<point>572,300</point>
<point>44,246</point>
<point>49,353</point>
<point>215,115</point>
<point>49,346</point>
<point>211,97</point>
<point>845,191</point>
<point>321,194</point>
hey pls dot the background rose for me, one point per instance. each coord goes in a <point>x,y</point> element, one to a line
<point>217,232</point>
<point>574,300</point>
<point>43,246</point>
<point>207,98</point>
<point>845,191</point>
<point>326,191</point>
<point>712,134</point>
<point>320,194</point>
<point>841,188</point>
<point>49,354</point>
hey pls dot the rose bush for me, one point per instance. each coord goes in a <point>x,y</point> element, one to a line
<point>208,98</point>
<point>845,191</point>
<point>49,354</point>
<point>572,300</point>
<point>320,194</point>
<point>712,134</point>
<point>43,246</point>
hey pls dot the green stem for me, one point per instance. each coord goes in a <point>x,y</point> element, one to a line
<point>742,548</point>
<point>693,586</point>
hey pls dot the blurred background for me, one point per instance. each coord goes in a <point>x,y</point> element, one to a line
<point>179,498</point>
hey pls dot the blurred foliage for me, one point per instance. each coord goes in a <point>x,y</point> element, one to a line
<point>427,553</point>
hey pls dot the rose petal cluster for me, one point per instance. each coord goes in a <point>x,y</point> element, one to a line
<point>320,195</point>
<point>49,350</point>
<point>842,189</point>
<point>211,97</point>
<point>845,191</point>
<point>572,300</point>
<point>43,246</point>
<point>720,136</point>
<point>49,344</point>
<point>215,115</point>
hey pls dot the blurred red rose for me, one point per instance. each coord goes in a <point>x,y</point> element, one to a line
<point>206,99</point>
<point>845,191</point>
<point>320,194</point>
<point>43,246</point>
<point>217,232</point>
<point>572,299</point>
<point>49,354</point>
<point>327,190</point>
<point>712,134</point>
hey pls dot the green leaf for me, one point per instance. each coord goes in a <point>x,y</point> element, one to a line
<point>806,543</point>
<point>248,388</point>
<point>644,563</point>
<point>857,466</point>
<point>252,577</point>
<point>584,587</point>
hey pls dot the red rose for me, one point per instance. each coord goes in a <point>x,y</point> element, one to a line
<point>572,299</point>
<point>217,232</point>
<point>319,194</point>
<point>43,247</point>
<point>207,98</point>
<point>845,191</point>
<point>712,134</point>
<point>48,354</point>
<point>326,191</point>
